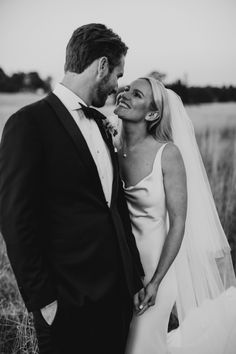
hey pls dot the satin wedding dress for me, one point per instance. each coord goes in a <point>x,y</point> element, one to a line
<point>208,329</point>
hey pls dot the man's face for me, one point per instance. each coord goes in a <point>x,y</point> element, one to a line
<point>108,85</point>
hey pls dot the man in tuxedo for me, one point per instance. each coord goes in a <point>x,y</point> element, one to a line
<point>62,210</point>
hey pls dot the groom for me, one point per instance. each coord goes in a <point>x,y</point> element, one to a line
<point>62,210</point>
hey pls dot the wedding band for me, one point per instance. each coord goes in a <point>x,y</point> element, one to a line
<point>140,307</point>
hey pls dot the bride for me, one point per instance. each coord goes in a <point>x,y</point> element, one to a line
<point>183,248</point>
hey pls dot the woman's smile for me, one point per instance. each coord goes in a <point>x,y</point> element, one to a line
<point>124,104</point>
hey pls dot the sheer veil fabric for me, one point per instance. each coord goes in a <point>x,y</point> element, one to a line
<point>203,266</point>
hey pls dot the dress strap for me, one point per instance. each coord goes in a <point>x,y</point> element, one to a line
<point>159,154</point>
<point>162,148</point>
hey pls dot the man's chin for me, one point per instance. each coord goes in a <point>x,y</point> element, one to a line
<point>99,102</point>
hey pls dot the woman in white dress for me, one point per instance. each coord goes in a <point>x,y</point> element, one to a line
<point>183,249</point>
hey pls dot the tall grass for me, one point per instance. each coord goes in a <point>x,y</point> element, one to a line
<point>17,334</point>
<point>216,136</point>
<point>218,149</point>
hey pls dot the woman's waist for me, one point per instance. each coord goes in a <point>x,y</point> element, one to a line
<point>147,220</point>
<point>152,211</point>
<point>148,228</point>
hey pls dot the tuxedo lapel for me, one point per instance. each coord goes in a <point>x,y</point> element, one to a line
<point>75,133</point>
<point>108,140</point>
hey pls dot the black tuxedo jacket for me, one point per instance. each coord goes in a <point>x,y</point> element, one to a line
<point>62,239</point>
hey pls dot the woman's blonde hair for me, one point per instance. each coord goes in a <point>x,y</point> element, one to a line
<point>159,128</point>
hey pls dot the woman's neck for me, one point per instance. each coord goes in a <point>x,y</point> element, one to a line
<point>133,134</point>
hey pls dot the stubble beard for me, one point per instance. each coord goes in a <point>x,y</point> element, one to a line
<point>102,92</point>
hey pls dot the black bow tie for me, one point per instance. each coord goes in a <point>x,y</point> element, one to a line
<point>91,112</point>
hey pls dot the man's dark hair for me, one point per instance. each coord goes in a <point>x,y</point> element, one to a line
<point>90,42</point>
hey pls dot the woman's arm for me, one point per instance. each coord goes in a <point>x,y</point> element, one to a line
<point>176,200</point>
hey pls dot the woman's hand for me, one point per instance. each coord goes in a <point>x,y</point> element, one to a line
<point>146,298</point>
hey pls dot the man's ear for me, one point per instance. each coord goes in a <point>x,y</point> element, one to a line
<point>103,67</point>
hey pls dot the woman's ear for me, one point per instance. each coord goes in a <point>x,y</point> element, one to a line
<point>151,116</point>
<point>103,67</point>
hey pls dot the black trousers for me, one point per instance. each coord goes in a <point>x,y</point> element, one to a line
<point>99,327</point>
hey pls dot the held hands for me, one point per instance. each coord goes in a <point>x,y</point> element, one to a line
<point>49,312</point>
<point>145,298</point>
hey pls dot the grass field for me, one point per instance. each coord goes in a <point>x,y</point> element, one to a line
<point>215,126</point>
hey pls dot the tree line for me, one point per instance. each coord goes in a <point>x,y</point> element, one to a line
<point>196,94</point>
<point>32,82</point>
<point>21,81</point>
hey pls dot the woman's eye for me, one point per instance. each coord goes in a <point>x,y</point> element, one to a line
<point>136,94</point>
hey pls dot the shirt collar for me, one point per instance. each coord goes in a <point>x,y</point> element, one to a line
<point>68,98</point>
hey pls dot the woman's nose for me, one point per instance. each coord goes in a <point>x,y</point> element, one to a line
<point>125,95</point>
<point>119,97</point>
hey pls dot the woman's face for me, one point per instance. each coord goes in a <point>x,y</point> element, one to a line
<point>134,103</point>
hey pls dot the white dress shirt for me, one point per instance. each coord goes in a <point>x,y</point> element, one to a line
<point>92,135</point>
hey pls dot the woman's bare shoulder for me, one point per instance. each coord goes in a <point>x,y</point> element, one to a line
<point>171,158</point>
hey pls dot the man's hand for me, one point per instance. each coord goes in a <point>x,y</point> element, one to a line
<point>49,312</point>
<point>145,298</point>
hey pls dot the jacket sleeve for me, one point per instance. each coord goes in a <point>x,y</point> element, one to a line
<point>20,207</point>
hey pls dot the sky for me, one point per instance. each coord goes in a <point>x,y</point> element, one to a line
<point>192,40</point>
